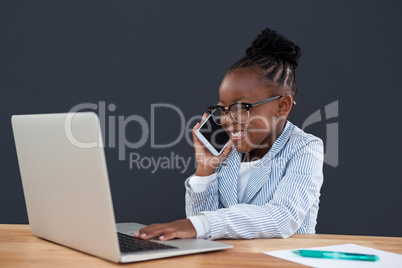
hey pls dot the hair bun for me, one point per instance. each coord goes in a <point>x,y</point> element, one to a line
<point>270,43</point>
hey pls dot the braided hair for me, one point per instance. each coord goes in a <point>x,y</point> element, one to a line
<point>276,56</point>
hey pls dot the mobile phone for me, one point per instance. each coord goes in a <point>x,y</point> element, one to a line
<point>212,135</point>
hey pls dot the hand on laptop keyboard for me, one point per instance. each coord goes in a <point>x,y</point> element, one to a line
<point>130,244</point>
<point>166,231</point>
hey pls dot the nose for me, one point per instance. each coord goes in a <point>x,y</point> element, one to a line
<point>226,120</point>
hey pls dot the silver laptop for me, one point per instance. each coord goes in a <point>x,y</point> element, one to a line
<point>67,193</point>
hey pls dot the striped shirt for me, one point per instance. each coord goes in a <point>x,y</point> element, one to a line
<point>281,197</point>
<point>200,183</point>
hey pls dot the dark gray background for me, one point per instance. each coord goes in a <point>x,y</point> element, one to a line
<point>57,54</point>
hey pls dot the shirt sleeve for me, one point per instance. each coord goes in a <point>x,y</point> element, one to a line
<point>200,198</point>
<point>200,183</point>
<point>201,225</point>
<point>281,216</point>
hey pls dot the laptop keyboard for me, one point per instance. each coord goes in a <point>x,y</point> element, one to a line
<point>131,244</point>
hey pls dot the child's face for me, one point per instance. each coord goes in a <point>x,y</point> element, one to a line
<point>243,85</point>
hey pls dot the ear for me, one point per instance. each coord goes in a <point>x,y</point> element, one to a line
<point>284,106</point>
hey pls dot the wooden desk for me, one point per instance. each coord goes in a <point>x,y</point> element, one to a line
<point>19,248</point>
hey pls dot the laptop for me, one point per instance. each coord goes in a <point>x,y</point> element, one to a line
<point>67,193</point>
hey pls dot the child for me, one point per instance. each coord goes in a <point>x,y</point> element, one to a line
<point>267,181</point>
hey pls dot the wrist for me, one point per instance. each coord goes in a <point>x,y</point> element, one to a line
<point>204,172</point>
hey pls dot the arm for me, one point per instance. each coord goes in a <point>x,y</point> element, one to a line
<point>283,215</point>
<point>197,201</point>
<point>206,199</point>
<point>203,198</point>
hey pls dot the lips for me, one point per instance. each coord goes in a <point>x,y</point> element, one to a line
<point>237,135</point>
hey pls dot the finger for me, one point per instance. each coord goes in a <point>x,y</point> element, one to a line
<point>148,227</point>
<point>153,233</point>
<point>199,124</point>
<point>203,117</point>
<point>168,236</point>
<point>198,146</point>
<point>141,231</point>
<point>195,139</point>
<point>228,149</point>
<point>148,231</point>
<point>194,129</point>
<point>178,233</point>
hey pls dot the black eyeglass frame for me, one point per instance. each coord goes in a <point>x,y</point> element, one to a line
<point>247,105</point>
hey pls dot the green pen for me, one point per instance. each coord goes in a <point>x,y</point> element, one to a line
<point>335,255</point>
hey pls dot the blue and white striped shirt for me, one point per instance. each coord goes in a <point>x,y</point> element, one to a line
<point>281,196</point>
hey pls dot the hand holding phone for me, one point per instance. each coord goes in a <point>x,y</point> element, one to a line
<point>212,145</point>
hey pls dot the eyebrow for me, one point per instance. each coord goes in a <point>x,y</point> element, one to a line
<point>235,100</point>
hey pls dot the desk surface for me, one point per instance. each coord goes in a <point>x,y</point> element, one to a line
<point>19,248</point>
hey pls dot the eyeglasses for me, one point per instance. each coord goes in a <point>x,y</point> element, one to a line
<point>239,111</point>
